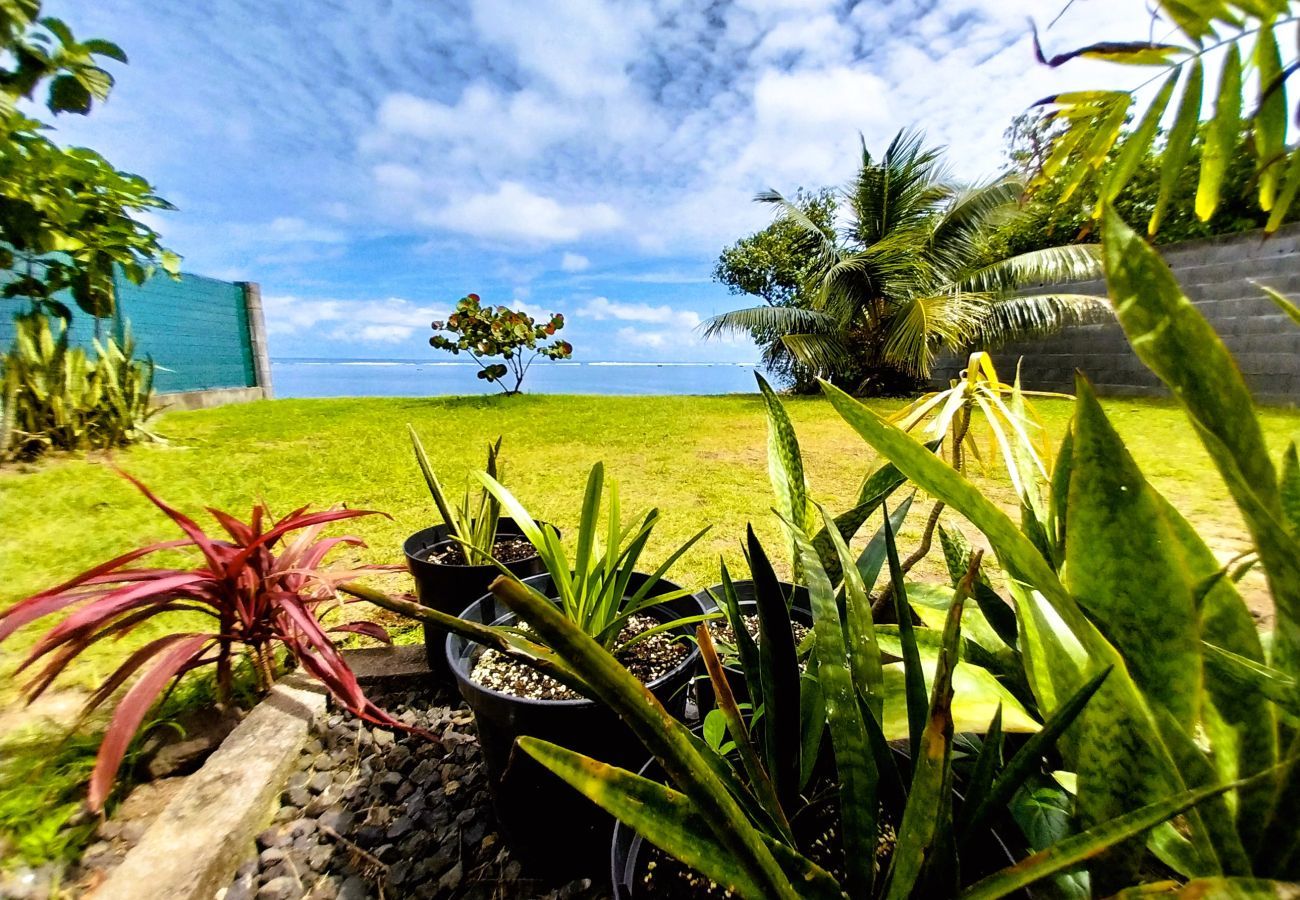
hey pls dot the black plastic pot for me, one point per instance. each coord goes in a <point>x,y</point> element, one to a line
<point>553,830</point>
<point>626,846</point>
<point>800,611</point>
<point>449,589</point>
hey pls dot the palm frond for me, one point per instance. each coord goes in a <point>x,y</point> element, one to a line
<point>901,190</point>
<point>1050,265</point>
<point>977,209</point>
<point>771,320</point>
<point>825,354</point>
<point>1038,315</point>
<point>928,322</point>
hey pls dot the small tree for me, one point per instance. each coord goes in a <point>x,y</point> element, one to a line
<point>485,332</point>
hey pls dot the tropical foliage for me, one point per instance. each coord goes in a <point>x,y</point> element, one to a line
<point>1052,217</point>
<point>1113,574</point>
<point>54,396</point>
<point>263,588</point>
<point>67,216</point>
<point>486,332</point>
<point>595,588</point>
<point>728,817</point>
<point>471,524</point>
<point>1244,40</point>
<point>775,265</point>
<point>911,273</point>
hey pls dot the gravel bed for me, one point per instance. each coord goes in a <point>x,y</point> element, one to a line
<point>373,813</point>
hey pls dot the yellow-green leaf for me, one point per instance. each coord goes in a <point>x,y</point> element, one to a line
<point>1179,145</point>
<point>1270,117</point>
<point>1220,136</point>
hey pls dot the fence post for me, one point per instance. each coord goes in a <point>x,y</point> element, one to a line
<point>257,335</point>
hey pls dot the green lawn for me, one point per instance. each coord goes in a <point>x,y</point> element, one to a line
<point>701,460</point>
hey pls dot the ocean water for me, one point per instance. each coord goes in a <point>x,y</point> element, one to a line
<point>414,378</point>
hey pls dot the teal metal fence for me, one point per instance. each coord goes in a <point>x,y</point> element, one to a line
<point>195,328</point>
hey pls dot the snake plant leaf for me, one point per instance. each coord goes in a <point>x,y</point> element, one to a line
<point>1214,813</point>
<point>812,723</point>
<point>661,735</point>
<point>1270,117</point>
<point>1242,723</point>
<point>1079,848</point>
<point>1058,643</point>
<point>928,811</point>
<point>872,558</point>
<point>977,692</point>
<point>1218,888</point>
<point>1248,676</point>
<point>746,648</point>
<point>930,602</point>
<point>659,814</point>
<point>778,659</point>
<point>1290,488</point>
<point>1176,342</point>
<point>1281,301</point>
<point>735,723</point>
<point>784,461</point>
<point>860,630</point>
<point>914,678</point>
<point>854,763</point>
<point>1221,135</point>
<point>987,764</point>
<point>876,489</point>
<point>1178,147</point>
<point>1124,566</point>
<point>1027,760</point>
<point>454,524</point>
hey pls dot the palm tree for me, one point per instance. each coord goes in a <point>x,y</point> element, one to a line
<point>914,272</point>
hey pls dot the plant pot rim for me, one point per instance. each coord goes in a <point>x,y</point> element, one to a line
<point>418,542</point>
<point>464,678</point>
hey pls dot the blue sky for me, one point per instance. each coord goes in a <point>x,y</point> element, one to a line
<point>369,163</point>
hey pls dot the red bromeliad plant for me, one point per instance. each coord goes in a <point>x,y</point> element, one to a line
<point>264,586</point>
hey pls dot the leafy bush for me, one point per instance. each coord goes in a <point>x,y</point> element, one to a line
<point>485,332</point>
<point>66,214</point>
<point>55,397</point>
<point>1243,36</point>
<point>257,597</point>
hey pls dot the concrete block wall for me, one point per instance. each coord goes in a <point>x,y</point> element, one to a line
<point>1217,275</point>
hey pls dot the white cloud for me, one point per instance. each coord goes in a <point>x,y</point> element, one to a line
<point>388,321</point>
<point>574,262</point>
<point>602,308</point>
<point>514,212</point>
<point>640,338</point>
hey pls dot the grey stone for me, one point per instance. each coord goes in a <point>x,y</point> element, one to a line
<point>271,856</point>
<point>319,782</point>
<point>451,879</point>
<point>337,819</point>
<point>401,825</point>
<point>382,737</point>
<point>318,857</point>
<point>354,888</point>
<point>284,887</point>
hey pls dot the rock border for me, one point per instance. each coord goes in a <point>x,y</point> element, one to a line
<point>192,850</point>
